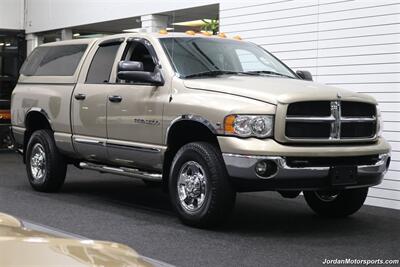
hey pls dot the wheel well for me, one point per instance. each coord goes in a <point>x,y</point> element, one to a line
<point>34,121</point>
<point>180,134</point>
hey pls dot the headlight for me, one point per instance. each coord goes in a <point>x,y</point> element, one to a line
<point>260,126</point>
<point>379,122</point>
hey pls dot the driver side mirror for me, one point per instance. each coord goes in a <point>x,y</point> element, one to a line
<point>305,75</point>
<point>133,71</point>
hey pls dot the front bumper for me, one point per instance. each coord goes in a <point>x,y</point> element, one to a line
<point>270,147</point>
<point>242,166</point>
<point>242,169</point>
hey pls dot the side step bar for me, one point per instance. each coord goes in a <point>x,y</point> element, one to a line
<point>135,173</point>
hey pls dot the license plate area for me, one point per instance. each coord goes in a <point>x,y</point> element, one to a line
<point>343,175</point>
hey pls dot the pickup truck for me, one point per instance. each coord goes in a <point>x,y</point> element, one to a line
<point>205,116</point>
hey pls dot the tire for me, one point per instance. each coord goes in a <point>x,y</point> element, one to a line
<point>5,140</point>
<point>49,174</point>
<point>344,203</point>
<point>152,184</point>
<point>215,205</point>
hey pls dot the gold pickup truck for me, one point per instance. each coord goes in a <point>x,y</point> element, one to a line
<point>206,116</point>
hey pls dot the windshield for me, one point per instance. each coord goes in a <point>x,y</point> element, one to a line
<point>198,56</point>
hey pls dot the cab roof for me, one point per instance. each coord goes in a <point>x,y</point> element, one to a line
<point>154,35</point>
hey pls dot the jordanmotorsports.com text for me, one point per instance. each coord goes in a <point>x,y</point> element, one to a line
<point>365,262</point>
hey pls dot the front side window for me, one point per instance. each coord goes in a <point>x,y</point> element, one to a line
<point>102,63</point>
<point>137,51</point>
<point>194,55</point>
<point>54,60</point>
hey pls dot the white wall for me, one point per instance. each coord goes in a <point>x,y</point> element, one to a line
<point>12,14</point>
<point>349,44</point>
<point>46,15</point>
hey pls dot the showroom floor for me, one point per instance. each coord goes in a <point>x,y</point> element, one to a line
<point>265,230</point>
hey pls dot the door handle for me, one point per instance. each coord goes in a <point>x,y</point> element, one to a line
<point>115,98</point>
<point>80,96</point>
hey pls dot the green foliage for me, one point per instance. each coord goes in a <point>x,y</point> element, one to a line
<point>211,26</point>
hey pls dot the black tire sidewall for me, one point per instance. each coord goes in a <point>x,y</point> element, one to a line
<point>152,184</point>
<point>346,203</point>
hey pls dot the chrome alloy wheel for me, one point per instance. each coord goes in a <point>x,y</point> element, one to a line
<point>38,162</point>
<point>192,186</point>
<point>326,196</point>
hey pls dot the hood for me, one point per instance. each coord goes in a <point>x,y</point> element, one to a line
<point>8,220</point>
<point>20,246</point>
<point>274,90</point>
<point>40,249</point>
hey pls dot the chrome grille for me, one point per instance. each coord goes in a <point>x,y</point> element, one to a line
<point>330,120</point>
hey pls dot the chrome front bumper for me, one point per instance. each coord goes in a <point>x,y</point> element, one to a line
<point>243,166</point>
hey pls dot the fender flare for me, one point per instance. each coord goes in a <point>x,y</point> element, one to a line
<point>37,110</point>
<point>193,118</point>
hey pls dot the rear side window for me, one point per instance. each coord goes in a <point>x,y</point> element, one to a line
<point>102,63</point>
<point>54,60</point>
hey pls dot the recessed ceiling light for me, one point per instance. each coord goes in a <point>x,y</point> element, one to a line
<point>8,44</point>
<point>95,35</point>
<point>1,44</point>
<point>76,34</point>
<point>133,30</point>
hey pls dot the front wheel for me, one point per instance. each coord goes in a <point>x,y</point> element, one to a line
<point>45,166</point>
<point>199,185</point>
<point>340,203</point>
<point>152,184</point>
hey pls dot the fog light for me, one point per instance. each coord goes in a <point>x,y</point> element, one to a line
<point>261,168</point>
<point>266,168</point>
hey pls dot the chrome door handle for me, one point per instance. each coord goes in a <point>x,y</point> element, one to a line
<point>80,96</point>
<point>115,98</point>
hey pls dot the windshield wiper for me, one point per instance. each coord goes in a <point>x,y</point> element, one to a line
<point>269,73</point>
<point>214,73</point>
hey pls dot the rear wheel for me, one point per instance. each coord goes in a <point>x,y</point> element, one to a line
<point>199,185</point>
<point>5,140</point>
<point>45,166</point>
<point>336,203</point>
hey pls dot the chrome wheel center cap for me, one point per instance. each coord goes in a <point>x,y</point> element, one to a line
<point>193,186</point>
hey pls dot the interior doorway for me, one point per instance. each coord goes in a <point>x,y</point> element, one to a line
<point>12,56</point>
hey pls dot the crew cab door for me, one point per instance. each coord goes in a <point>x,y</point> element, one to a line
<point>134,113</point>
<point>89,101</point>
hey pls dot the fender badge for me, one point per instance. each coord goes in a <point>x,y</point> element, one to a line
<point>338,95</point>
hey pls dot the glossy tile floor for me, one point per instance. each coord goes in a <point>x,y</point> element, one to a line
<point>265,229</point>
